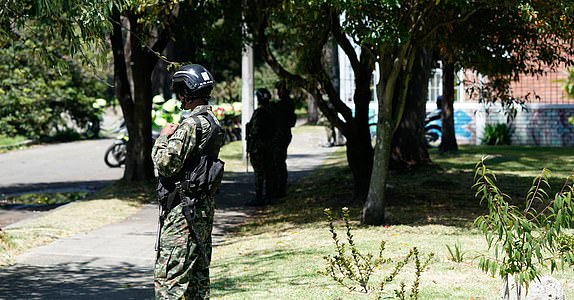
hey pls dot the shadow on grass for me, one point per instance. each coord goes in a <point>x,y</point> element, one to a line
<point>263,271</point>
<point>438,193</point>
<point>142,192</point>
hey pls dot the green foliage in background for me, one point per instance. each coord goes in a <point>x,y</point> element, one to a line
<point>40,98</point>
<point>524,240</point>
<point>497,134</point>
<point>568,86</point>
<point>44,198</point>
<point>568,83</point>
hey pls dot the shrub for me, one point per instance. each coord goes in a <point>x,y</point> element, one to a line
<point>456,253</point>
<point>354,270</point>
<point>39,98</point>
<point>498,134</point>
<point>524,240</point>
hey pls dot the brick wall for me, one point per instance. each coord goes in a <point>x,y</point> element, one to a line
<point>536,125</point>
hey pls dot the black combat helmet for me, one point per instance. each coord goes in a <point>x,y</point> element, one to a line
<point>192,81</point>
<point>263,95</point>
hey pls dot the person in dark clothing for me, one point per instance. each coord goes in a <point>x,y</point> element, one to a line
<point>285,118</point>
<point>260,132</point>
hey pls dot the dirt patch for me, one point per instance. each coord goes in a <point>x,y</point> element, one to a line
<point>11,216</point>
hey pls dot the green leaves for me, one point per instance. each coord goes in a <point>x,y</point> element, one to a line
<point>354,270</point>
<point>38,98</point>
<point>568,84</point>
<point>526,240</point>
<point>497,134</point>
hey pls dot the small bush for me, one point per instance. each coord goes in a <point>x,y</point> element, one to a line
<point>456,253</point>
<point>498,134</point>
<point>354,270</point>
<point>524,241</point>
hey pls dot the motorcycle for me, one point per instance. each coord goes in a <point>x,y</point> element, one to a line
<point>163,112</point>
<point>433,128</point>
<point>115,155</point>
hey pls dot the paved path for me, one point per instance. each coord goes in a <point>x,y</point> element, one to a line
<point>116,261</point>
<point>53,167</point>
<point>77,166</point>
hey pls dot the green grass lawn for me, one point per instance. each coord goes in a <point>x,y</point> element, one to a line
<point>9,143</point>
<point>279,254</point>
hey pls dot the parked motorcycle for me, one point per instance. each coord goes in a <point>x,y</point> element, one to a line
<point>433,128</point>
<point>115,155</point>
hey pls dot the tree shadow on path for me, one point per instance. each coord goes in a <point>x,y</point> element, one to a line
<point>74,281</point>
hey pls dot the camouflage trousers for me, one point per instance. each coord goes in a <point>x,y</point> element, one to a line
<point>182,264</point>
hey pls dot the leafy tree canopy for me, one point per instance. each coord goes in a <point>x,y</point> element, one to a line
<point>37,99</point>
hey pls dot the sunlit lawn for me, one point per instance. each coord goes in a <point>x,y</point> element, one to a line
<point>279,255</point>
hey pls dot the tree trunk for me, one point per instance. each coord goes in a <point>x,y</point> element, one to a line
<point>374,207</point>
<point>312,111</point>
<point>122,83</point>
<point>448,138</point>
<point>139,165</point>
<point>408,147</point>
<point>359,148</point>
<point>394,79</point>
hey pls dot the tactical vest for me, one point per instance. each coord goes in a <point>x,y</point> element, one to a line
<point>201,172</point>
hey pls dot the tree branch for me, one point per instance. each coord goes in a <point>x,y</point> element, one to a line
<point>345,44</point>
<point>452,21</point>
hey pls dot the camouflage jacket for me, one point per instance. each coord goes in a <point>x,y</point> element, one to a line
<point>170,152</point>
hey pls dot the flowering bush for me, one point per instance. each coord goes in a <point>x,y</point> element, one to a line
<point>227,110</point>
<point>228,114</point>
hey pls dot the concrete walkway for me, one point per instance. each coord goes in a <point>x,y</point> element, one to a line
<point>116,261</point>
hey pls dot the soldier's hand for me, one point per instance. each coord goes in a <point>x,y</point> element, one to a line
<point>168,129</point>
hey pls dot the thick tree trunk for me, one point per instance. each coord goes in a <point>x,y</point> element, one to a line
<point>122,82</point>
<point>139,146</point>
<point>394,80</point>
<point>359,148</point>
<point>139,165</point>
<point>448,138</point>
<point>408,147</point>
<point>374,207</point>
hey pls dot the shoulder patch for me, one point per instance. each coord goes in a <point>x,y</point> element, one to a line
<point>179,134</point>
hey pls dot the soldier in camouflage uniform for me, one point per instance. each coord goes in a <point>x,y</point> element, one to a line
<point>186,220</point>
<point>259,137</point>
<point>284,118</point>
